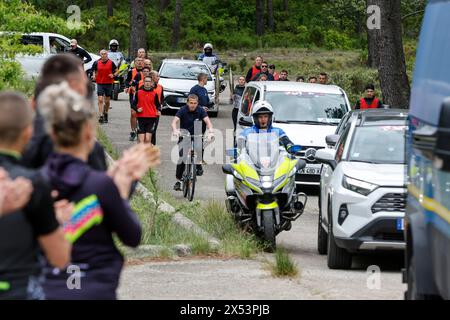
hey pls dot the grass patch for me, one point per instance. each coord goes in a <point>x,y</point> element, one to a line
<point>283,267</point>
<point>159,229</point>
<point>214,218</point>
<point>106,143</point>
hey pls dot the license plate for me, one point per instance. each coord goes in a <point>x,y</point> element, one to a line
<point>181,100</point>
<point>400,224</point>
<point>311,171</point>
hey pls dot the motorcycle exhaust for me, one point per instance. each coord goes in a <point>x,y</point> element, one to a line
<point>298,207</point>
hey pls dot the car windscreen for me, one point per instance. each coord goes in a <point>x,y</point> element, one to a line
<point>185,71</point>
<point>308,107</point>
<point>378,144</point>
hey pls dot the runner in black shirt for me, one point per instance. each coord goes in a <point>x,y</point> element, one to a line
<point>22,232</point>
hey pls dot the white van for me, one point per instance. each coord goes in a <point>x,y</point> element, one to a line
<point>32,64</point>
<point>308,113</point>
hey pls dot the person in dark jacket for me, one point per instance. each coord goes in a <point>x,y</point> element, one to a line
<point>264,71</point>
<point>254,70</point>
<point>30,227</point>
<point>82,54</point>
<point>238,92</point>
<point>58,68</point>
<point>101,206</point>
<point>201,92</point>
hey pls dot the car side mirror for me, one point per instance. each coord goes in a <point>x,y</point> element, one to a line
<point>245,122</point>
<point>332,140</point>
<point>327,156</point>
<point>227,169</point>
<point>442,149</point>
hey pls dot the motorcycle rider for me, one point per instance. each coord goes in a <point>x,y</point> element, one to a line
<point>262,119</point>
<point>114,55</point>
<point>210,58</point>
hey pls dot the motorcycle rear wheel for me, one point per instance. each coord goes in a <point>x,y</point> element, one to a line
<point>116,90</point>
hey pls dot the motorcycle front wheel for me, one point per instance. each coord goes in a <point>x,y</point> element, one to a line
<point>269,235</point>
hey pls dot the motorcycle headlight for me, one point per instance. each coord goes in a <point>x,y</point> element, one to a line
<point>358,186</point>
<point>266,182</point>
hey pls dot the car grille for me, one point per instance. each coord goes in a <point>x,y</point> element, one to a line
<point>398,236</point>
<point>307,178</point>
<point>391,202</point>
<point>302,154</point>
<point>172,101</point>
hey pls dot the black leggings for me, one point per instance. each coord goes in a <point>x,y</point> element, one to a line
<point>234,116</point>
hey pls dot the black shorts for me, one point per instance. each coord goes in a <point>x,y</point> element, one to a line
<point>104,90</point>
<point>146,125</point>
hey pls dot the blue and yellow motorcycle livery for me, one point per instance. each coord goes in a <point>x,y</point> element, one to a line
<point>260,187</point>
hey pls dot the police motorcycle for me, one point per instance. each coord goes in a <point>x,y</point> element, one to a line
<point>122,64</point>
<point>260,186</point>
<point>216,66</point>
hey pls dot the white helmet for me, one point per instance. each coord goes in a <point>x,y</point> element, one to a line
<point>114,42</point>
<point>208,46</point>
<point>262,107</point>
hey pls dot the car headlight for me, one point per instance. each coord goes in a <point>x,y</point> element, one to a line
<point>358,186</point>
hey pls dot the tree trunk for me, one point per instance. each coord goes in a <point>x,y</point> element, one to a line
<point>110,8</point>
<point>176,25</point>
<point>392,68</point>
<point>286,5</point>
<point>163,4</point>
<point>90,4</point>
<point>373,40</point>
<point>259,17</point>
<point>138,26</point>
<point>270,15</point>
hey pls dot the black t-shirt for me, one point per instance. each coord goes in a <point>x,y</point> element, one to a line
<point>81,54</point>
<point>41,146</point>
<point>188,118</point>
<point>19,231</point>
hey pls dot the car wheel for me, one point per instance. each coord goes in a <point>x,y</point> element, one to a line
<point>337,258</point>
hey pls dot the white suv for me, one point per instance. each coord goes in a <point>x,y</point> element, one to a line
<point>178,76</point>
<point>308,113</point>
<point>363,188</point>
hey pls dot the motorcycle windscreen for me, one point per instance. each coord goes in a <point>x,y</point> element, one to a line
<point>263,149</point>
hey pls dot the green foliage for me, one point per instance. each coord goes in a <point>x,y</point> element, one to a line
<point>336,40</point>
<point>230,24</point>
